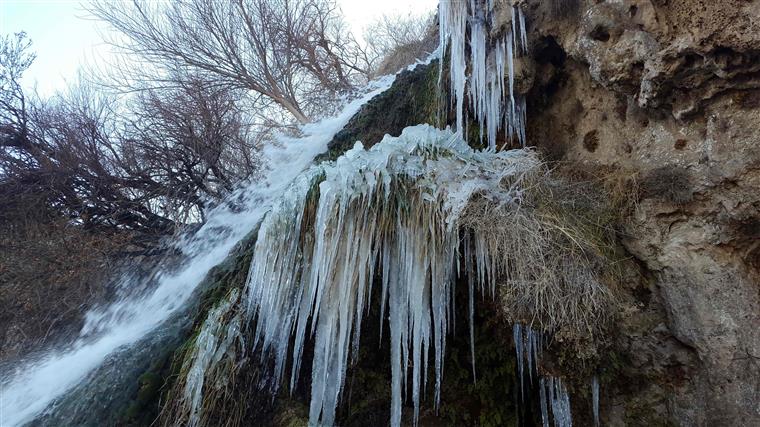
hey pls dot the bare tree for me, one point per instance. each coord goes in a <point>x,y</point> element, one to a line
<point>194,139</point>
<point>69,163</point>
<point>15,59</point>
<point>291,52</point>
<point>75,158</point>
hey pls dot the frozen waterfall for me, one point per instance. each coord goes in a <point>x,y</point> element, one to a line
<point>494,103</point>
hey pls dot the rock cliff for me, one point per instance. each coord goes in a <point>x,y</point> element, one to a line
<point>666,94</point>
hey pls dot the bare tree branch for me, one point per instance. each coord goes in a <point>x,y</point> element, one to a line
<point>284,50</point>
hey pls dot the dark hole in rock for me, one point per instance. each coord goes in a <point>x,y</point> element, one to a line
<point>621,109</point>
<point>680,144</point>
<point>747,99</point>
<point>591,141</point>
<point>691,60</point>
<point>548,51</point>
<point>600,33</point>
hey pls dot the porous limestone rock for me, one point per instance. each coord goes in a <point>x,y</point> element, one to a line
<point>667,92</point>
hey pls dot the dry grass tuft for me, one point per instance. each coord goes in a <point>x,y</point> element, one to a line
<point>555,253</point>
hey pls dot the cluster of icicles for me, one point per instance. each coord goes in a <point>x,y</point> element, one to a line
<point>495,105</point>
<point>553,395</point>
<point>392,212</point>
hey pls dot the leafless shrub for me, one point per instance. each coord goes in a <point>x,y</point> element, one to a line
<point>79,156</point>
<point>49,274</point>
<point>394,42</point>
<point>194,140</point>
<point>15,59</point>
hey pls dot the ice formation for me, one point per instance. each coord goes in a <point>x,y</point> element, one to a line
<point>216,344</point>
<point>496,105</point>
<point>555,399</point>
<point>528,346</point>
<point>394,207</point>
<point>553,396</point>
<point>595,399</point>
<point>396,214</point>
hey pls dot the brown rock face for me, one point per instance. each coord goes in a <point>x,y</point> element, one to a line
<point>669,91</point>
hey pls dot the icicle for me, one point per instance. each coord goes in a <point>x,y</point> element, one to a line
<point>527,348</point>
<point>453,26</point>
<point>523,31</point>
<point>517,336</point>
<point>530,352</point>
<point>543,401</point>
<point>595,399</point>
<point>553,394</point>
<point>559,402</point>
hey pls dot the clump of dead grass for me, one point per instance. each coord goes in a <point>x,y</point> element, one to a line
<point>554,253</point>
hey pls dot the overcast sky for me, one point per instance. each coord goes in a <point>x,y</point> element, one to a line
<point>64,38</point>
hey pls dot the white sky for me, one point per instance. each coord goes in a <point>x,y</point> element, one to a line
<point>64,38</point>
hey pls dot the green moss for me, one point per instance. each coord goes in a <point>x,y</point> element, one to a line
<point>474,139</point>
<point>150,385</point>
<point>414,98</point>
<point>492,400</point>
<point>143,408</point>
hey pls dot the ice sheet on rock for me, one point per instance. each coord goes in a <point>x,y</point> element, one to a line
<point>215,342</point>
